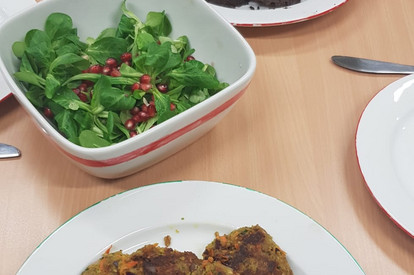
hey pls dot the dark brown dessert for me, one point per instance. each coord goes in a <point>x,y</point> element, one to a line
<point>266,3</point>
<point>276,3</point>
<point>229,3</point>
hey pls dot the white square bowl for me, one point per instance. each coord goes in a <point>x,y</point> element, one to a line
<point>216,42</point>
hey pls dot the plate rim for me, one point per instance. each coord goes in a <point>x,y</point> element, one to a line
<point>372,191</point>
<point>241,23</point>
<point>198,182</point>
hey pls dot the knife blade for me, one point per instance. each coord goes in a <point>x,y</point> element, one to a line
<point>371,66</point>
<point>8,151</point>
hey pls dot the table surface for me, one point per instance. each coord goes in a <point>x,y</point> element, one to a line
<point>291,136</point>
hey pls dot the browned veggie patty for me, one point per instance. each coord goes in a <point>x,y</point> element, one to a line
<point>249,251</point>
<point>151,259</point>
<point>245,251</point>
<point>210,267</point>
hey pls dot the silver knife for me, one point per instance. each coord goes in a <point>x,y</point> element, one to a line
<point>371,66</point>
<point>8,151</point>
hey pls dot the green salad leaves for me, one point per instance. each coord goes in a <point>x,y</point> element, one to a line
<point>123,82</point>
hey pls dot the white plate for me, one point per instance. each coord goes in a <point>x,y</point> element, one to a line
<point>190,212</point>
<point>385,150</point>
<point>245,16</point>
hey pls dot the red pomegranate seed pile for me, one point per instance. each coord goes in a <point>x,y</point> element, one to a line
<point>140,114</point>
<point>111,68</point>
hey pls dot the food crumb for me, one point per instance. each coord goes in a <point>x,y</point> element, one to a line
<point>167,240</point>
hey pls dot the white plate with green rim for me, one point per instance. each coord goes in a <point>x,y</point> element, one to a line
<point>190,212</point>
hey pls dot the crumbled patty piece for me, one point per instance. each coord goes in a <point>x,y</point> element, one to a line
<point>210,267</point>
<point>153,259</point>
<point>266,3</point>
<point>149,260</point>
<point>108,264</point>
<point>249,251</point>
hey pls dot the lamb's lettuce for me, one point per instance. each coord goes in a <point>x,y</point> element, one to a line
<point>54,62</point>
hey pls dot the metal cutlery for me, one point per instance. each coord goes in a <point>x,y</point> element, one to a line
<point>371,66</point>
<point>8,151</point>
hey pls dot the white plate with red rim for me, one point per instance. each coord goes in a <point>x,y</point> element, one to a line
<point>190,212</point>
<point>253,15</point>
<point>385,150</point>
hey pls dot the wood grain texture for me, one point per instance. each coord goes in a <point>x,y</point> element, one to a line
<point>292,136</point>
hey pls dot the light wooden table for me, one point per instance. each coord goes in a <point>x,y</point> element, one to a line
<point>292,136</point>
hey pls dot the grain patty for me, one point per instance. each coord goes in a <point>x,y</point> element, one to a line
<point>244,251</point>
<point>149,260</point>
<point>249,251</point>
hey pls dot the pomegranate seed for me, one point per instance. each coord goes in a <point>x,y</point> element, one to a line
<point>95,69</point>
<point>145,79</point>
<point>126,57</point>
<point>137,118</point>
<point>163,88</point>
<point>111,62</point>
<point>47,112</point>
<point>88,83</point>
<point>130,124</point>
<point>190,57</point>
<point>106,70</point>
<point>135,86</point>
<point>132,134</point>
<point>76,91</point>
<point>115,73</point>
<point>134,111</point>
<point>172,106</point>
<point>146,86</point>
<point>144,108</point>
<point>83,97</point>
<point>85,71</point>
<point>83,87</point>
<point>151,111</point>
<point>144,116</point>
